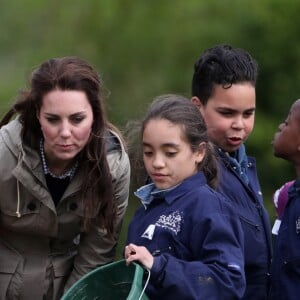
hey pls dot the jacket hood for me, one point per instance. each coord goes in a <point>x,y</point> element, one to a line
<point>11,136</point>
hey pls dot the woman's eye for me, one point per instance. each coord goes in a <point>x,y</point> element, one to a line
<point>52,120</point>
<point>77,120</point>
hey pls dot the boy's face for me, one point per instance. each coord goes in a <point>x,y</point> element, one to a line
<point>286,142</point>
<point>229,115</point>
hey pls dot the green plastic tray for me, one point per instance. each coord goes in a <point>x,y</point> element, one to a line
<point>112,281</point>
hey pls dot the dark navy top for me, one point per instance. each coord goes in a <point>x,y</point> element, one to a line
<point>196,240</point>
<point>247,199</point>
<point>285,272</point>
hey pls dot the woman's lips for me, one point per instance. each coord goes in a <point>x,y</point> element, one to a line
<point>65,147</point>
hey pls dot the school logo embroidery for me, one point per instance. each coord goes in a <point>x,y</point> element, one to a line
<point>149,232</point>
<point>172,222</point>
<point>298,225</point>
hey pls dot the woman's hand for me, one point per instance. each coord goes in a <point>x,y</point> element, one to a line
<point>140,254</point>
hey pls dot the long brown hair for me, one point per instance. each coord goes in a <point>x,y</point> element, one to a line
<point>73,73</point>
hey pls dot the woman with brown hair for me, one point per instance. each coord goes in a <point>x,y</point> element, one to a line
<point>64,182</point>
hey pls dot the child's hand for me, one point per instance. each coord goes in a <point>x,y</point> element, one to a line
<point>140,254</point>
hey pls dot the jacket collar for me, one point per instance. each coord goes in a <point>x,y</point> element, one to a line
<point>149,192</point>
<point>238,162</point>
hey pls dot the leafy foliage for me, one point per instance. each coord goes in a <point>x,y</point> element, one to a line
<point>146,48</point>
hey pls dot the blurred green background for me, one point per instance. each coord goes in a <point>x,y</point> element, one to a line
<point>144,48</point>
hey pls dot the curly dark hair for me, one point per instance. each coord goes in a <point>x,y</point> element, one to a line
<point>225,65</point>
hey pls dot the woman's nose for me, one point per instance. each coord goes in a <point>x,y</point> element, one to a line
<point>65,130</point>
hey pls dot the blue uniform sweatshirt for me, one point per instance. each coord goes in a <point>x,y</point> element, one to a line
<point>197,243</point>
<point>285,272</point>
<point>247,199</point>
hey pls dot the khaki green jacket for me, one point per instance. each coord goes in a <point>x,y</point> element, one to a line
<point>43,249</point>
